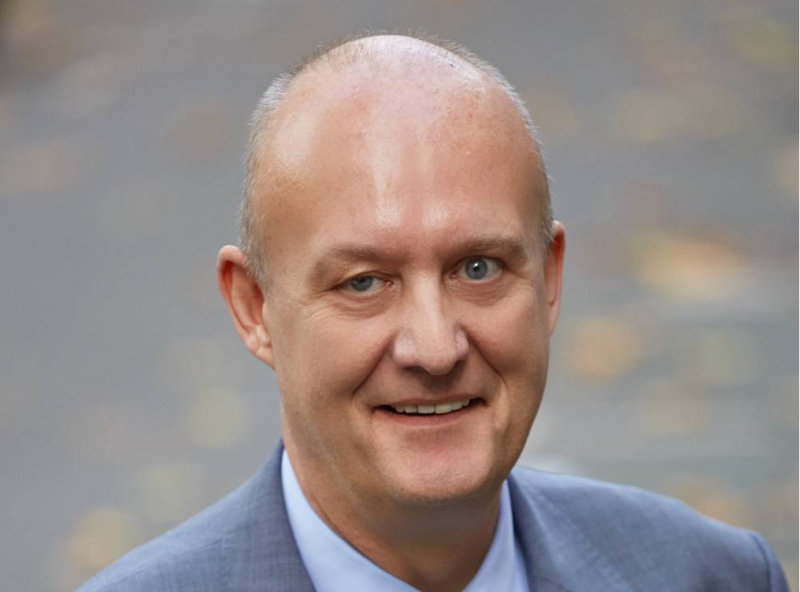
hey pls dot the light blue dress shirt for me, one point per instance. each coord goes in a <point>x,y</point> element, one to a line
<point>335,566</point>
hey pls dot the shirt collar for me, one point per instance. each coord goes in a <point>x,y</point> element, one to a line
<point>334,565</point>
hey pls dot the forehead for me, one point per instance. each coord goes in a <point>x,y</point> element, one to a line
<point>397,148</point>
<point>364,107</point>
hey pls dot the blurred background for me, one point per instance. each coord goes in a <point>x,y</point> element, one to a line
<point>127,402</point>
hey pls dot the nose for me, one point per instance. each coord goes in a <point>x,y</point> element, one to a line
<point>430,337</point>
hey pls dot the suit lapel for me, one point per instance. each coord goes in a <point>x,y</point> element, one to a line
<point>260,553</point>
<point>558,556</point>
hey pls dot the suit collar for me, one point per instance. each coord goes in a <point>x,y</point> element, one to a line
<point>259,552</point>
<point>558,556</point>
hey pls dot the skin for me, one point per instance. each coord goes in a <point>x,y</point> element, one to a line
<point>401,173</point>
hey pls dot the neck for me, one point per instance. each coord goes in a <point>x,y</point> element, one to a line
<point>429,547</point>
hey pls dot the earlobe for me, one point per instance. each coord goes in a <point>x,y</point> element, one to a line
<point>553,273</point>
<point>246,303</point>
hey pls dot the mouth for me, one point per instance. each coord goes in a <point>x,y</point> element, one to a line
<point>447,408</point>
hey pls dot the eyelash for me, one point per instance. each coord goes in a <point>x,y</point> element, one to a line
<point>347,284</point>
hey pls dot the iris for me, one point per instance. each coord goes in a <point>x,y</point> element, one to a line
<point>362,283</point>
<point>477,269</point>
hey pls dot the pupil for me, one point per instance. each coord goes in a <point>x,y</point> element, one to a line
<point>361,284</point>
<point>477,269</point>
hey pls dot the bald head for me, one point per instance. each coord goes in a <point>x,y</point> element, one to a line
<point>383,93</point>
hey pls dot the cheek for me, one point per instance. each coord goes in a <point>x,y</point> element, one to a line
<point>513,334</point>
<point>326,356</point>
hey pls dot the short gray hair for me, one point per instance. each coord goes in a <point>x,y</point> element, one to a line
<point>342,51</point>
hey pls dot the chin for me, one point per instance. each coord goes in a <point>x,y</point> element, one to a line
<point>433,484</point>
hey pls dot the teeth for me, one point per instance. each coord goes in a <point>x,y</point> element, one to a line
<point>439,409</point>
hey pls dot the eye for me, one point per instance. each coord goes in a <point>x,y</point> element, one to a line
<point>363,284</point>
<point>479,268</point>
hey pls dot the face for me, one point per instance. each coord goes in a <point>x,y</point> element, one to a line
<point>412,299</point>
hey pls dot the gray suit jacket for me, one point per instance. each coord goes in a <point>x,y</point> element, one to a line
<point>576,535</point>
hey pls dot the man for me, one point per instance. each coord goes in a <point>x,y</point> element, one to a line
<point>400,272</point>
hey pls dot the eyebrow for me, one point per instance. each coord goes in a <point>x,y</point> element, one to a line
<point>507,245</point>
<point>345,253</point>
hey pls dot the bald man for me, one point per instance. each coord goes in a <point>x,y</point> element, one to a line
<point>400,272</point>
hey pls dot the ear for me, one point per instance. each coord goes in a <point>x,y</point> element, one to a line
<point>245,302</point>
<point>553,273</point>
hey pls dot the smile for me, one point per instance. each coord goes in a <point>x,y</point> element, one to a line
<point>439,409</point>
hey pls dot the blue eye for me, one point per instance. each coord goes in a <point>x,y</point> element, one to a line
<point>479,268</point>
<point>363,284</point>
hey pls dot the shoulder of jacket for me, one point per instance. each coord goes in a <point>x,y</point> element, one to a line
<point>175,559</point>
<point>656,534</point>
<point>161,564</point>
<point>621,508</point>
